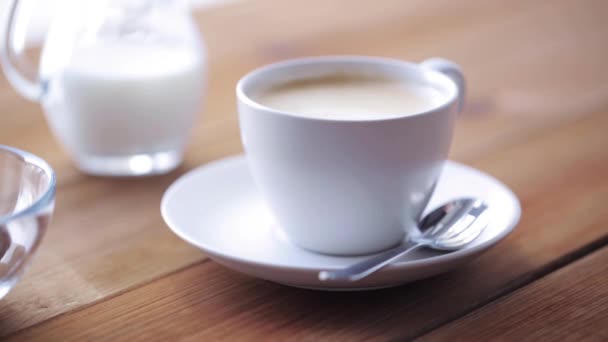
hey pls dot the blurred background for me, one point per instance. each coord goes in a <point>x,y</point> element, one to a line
<point>42,11</point>
<point>503,46</point>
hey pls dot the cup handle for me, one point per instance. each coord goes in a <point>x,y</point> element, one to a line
<point>453,71</point>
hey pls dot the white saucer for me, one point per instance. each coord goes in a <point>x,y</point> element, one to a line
<point>217,209</point>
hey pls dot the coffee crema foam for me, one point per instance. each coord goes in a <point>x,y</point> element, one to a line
<point>351,97</point>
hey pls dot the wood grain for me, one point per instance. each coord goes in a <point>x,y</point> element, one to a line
<point>536,118</point>
<point>570,304</point>
<point>210,302</point>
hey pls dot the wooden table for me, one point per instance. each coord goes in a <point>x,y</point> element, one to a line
<point>537,118</point>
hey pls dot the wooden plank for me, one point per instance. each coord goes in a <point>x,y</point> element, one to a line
<point>107,236</point>
<point>570,305</point>
<point>207,301</point>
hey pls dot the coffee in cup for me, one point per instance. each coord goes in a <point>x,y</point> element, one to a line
<point>350,97</point>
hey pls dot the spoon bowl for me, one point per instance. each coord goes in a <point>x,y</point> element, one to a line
<point>453,225</point>
<point>447,228</point>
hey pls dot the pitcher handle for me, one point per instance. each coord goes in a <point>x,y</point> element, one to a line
<point>453,71</point>
<point>28,88</point>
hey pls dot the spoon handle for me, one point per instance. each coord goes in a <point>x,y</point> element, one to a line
<point>368,266</point>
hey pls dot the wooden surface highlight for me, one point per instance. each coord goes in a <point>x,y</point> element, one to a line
<point>570,304</point>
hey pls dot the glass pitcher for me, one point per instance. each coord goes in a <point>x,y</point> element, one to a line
<point>121,81</point>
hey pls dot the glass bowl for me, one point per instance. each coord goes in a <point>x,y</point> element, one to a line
<point>27,196</point>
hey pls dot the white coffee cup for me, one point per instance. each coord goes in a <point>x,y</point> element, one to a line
<point>347,187</point>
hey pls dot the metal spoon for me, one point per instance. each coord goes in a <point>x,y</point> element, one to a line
<point>447,228</point>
